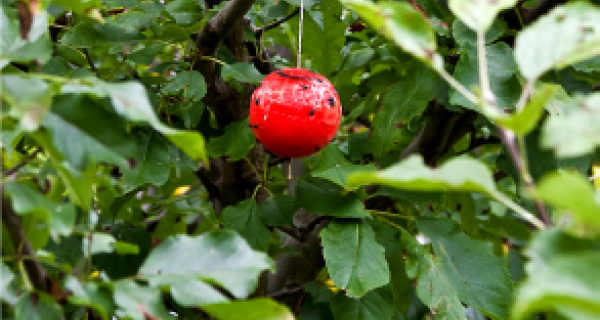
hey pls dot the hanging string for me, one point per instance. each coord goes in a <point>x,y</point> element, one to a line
<point>299,62</point>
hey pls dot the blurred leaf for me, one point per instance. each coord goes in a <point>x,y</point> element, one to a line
<point>467,37</point>
<point>323,197</point>
<point>37,306</point>
<point>354,259</point>
<point>401,23</point>
<point>26,200</point>
<point>192,82</point>
<point>185,11</point>
<point>246,220</point>
<point>100,243</point>
<point>573,127</point>
<point>369,307</point>
<point>139,302</point>
<point>115,264</point>
<point>359,58</point>
<point>90,294</point>
<point>14,48</point>
<point>479,278</point>
<point>255,309</point>
<point>151,163</point>
<point>433,283</point>
<point>568,34</point>
<point>92,33</point>
<point>242,72</point>
<point>572,192</point>
<point>527,119</point>
<point>479,14</point>
<point>6,277</point>
<point>193,293</point>
<point>458,174</point>
<point>29,99</point>
<point>569,284</point>
<point>235,143</point>
<point>220,256</point>
<point>131,102</point>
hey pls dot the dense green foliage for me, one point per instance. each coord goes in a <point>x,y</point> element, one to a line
<point>458,185</point>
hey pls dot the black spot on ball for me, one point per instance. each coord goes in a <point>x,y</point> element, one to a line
<point>311,112</point>
<point>257,101</point>
<point>331,101</point>
<point>305,87</point>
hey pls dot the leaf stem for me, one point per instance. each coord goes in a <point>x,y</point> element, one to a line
<point>525,95</point>
<point>487,94</point>
<point>519,210</point>
<point>458,86</point>
<point>389,214</point>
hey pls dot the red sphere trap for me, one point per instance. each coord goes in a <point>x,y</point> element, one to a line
<point>295,112</point>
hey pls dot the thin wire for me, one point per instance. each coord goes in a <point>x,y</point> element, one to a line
<point>299,62</point>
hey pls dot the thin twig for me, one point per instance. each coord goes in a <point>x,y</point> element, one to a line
<point>88,57</point>
<point>33,268</point>
<point>507,136</point>
<point>21,164</point>
<point>285,292</point>
<point>258,32</point>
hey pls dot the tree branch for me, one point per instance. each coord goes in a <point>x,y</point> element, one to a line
<point>21,164</point>
<point>33,268</point>
<point>260,31</point>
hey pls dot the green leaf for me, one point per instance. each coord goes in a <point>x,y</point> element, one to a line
<point>501,68</point>
<point>354,259</point>
<point>479,14</point>
<point>215,256</point>
<point>476,274</point>
<point>235,143</point>
<point>254,309</point>
<point>331,165</point>
<point>569,284</point>
<point>116,265</point>
<point>371,306</point>
<point>406,100</point>
<point>359,58</point>
<point>568,34</point>
<point>26,200</point>
<point>152,163</point>
<point>457,174</point>
<point>527,119</point>
<point>401,23</point>
<point>29,99</point>
<point>574,193</point>
<point>80,134</point>
<point>37,306</point>
<point>322,39</point>
<point>242,72</point>
<point>279,210</point>
<point>140,302</point>
<point>146,55</point>
<point>92,33</point>
<point>131,102</point>
<point>572,128</point>
<point>467,37</point>
<point>323,197</point>
<point>79,6</point>
<point>185,11</point>
<point>246,220</point>
<point>193,293</point>
<point>100,243</point>
<point>433,283</point>
<point>192,82</point>
<point>90,294</point>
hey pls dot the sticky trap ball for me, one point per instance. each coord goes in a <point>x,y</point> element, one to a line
<point>295,112</point>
